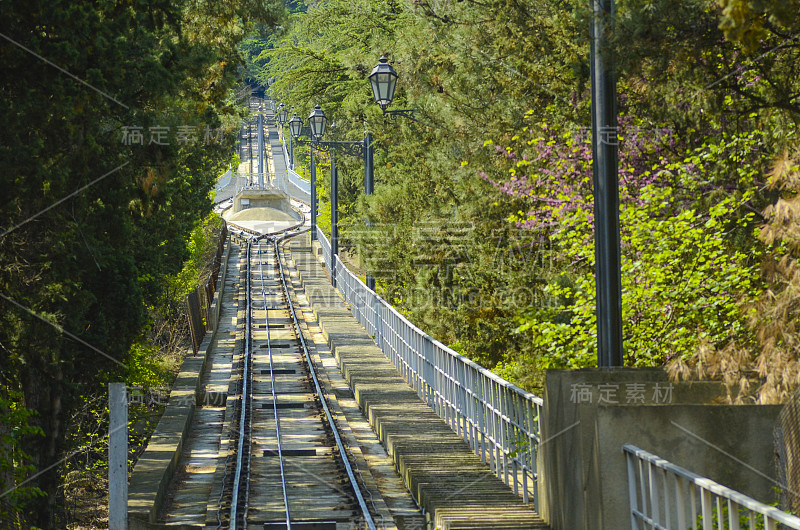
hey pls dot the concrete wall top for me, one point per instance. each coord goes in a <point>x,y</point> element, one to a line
<point>590,414</point>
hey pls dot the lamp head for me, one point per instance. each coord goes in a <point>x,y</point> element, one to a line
<point>317,120</point>
<point>383,80</point>
<point>295,126</point>
<point>283,114</point>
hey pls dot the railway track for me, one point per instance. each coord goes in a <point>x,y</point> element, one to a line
<point>264,448</point>
<point>290,467</point>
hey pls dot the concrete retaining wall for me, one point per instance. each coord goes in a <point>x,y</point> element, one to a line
<point>266,199</point>
<point>590,414</point>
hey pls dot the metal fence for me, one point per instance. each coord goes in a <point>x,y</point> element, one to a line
<point>298,187</point>
<point>198,301</point>
<point>665,496</point>
<point>285,153</point>
<point>293,184</point>
<point>256,186</point>
<point>498,420</point>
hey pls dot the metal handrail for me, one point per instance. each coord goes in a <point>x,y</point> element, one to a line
<point>663,495</point>
<point>499,420</point>
<point>293,184</point>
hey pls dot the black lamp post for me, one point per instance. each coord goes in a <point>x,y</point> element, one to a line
<point>260,147</point>
<point>295,122</point>
<point>383,80</point>
<point>295,126</point>
<point>606,189</point>
<point>317,124</point>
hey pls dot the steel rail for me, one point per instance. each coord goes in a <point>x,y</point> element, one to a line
<point>323,401</point>
<point>245,391</point>
<point>274,396</point>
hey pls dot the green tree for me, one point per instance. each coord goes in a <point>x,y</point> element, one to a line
<point>92,225</point>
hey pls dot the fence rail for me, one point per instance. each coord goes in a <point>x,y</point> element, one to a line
<point>498,420</point>
<point>198,301</point>
<point>665,496</point>
<point>291,183</point>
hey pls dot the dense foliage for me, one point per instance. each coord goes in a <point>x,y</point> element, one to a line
<point>481,223</point>
<point>96,219</point>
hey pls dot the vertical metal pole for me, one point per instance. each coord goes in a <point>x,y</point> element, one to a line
<point>334,220</point>
<point>291,152</point>
<point>369,185</point>
<point>606,189</point>
<point>117,457</point>
<point>260,150</point>
<point>250,146</point>
<point>313,195</point>
<point>369,166</point>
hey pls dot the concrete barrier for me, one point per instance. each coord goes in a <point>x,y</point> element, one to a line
<point>589,414</point>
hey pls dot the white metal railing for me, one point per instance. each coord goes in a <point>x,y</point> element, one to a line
<point>291,183</point>
<point>665,496</point>
<point>299,182</point>
<point>251,179</point>
<point>326,248</point>
<point>498,420</point>
<point>224,180</point>
<point>285,152</point>
<point>255,186</point>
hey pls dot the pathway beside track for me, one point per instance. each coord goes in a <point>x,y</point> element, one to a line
<point>451,483</point>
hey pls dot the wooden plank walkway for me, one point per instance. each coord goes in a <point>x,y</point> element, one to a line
<point>451,483</point>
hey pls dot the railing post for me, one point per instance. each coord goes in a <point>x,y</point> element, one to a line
<point>634,505</point>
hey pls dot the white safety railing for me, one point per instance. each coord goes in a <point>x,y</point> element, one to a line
<point>664,496</point>
<point>255,186</point>
<point>497,419</point>
<point>326,248</point>
<point>285,152</point>
<point>251,179</point>
<point>224,180</point>
<point>291,183</point>
<point>299,182</point>
<point>235,184</point>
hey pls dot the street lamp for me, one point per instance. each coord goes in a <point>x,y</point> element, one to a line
<point>283,114</point>
<point>317,124</point>
<point>260,146</point>
<point>317,120</point>
<point>295,126</point>
<point>383,81</point>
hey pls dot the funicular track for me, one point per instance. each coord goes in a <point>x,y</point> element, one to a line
<point>290,467</point>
